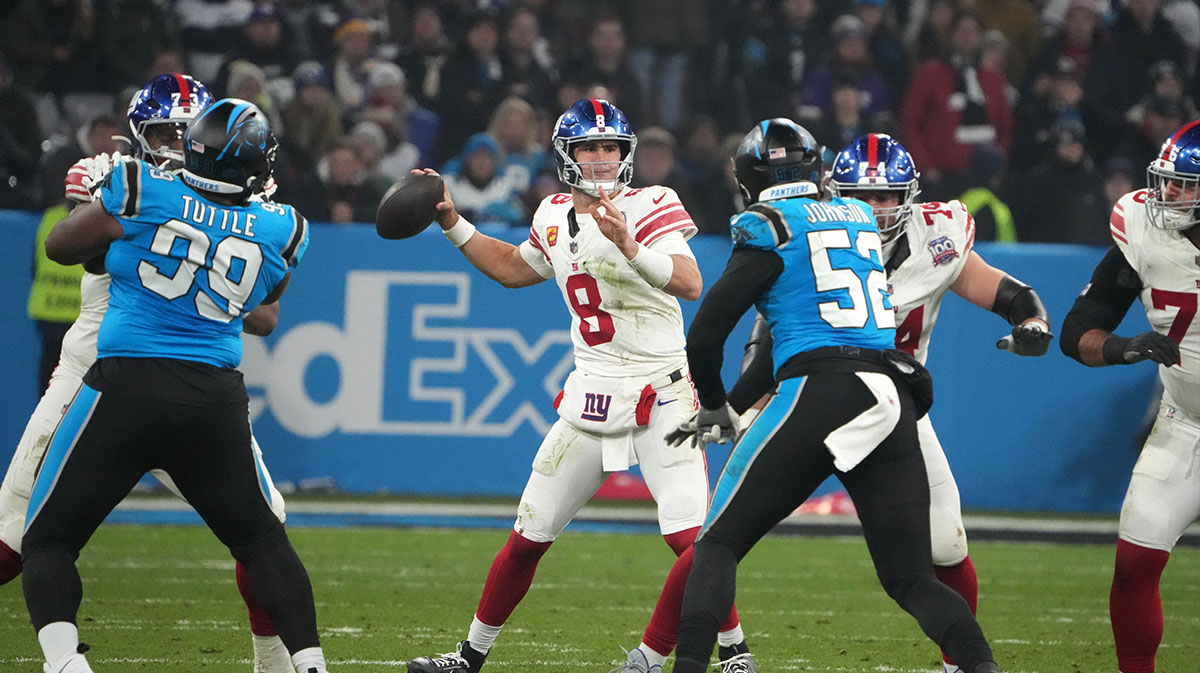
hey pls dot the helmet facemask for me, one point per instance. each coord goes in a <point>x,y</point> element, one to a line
<point>1173,200</point>
<point>574,173</point>
<point>155,138</point>
<point>890,221</point>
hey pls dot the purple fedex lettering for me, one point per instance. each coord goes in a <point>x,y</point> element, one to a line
<point>595,407</point>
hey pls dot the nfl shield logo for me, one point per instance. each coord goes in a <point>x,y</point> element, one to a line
<point>574,247</point>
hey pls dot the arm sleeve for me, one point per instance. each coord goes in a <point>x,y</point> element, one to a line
<point>758,369</point>
<point>747,275</point>
<point>1016,302</point>
<point>1113,288</point>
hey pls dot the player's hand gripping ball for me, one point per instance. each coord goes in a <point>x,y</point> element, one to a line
<point>409,206</point>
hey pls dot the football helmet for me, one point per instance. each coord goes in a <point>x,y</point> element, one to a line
<point>592,119</point>
<point>1173,201</point>
<point>160,111</point>
<point>778,159</point>
<point>229,149</point>
<point>878,161</point>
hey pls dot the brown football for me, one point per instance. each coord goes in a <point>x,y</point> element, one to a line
<point>409,206</point>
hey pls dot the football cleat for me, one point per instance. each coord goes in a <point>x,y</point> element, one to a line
<point>636,662</point>
<point>464,660</point>
<point>736,659</point>
<point>73,663</point>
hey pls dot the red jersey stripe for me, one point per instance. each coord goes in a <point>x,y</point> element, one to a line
<point>664,220</point>
<point>1117,220</point>
<point>663,232</point>
<point>652,214</point>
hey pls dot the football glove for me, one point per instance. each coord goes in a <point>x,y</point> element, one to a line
<point>85,176</point>
<point>1031,339</point>
<point>1145,346</point>
<point>707,426</point>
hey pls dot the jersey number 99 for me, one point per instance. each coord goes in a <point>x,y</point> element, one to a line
<point>220,268</point>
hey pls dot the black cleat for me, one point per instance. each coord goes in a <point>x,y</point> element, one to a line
<point>463,660</point>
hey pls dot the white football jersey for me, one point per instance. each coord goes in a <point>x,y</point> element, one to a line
<point>79,343</point>
<point>1169,266</point>
<point>940,236</point>
<point>620,325</point>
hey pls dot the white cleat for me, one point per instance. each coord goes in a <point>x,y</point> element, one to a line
<point>72,663</point>
<point>636,662</point>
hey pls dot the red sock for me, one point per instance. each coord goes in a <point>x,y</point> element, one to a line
<point>260,621</point>
<point>961,578</point>
<point>509,579</point>
<point>1135,606</point>
<point>10,564</point>
<point>664,623</point>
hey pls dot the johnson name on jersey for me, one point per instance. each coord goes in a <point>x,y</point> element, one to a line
<point>940,236</point>
<point>620,325</point>
<point>1169,267</point>
<point>187,269</point>
<point>832,289</point>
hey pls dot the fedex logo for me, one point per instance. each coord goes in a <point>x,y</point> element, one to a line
<point>595,407</point>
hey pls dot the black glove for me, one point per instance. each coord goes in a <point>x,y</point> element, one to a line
<point>707,425</point>
<point>1030,339</point>
<point>1145,346</point>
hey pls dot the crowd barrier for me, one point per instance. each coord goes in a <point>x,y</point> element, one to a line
<point>397,368</point>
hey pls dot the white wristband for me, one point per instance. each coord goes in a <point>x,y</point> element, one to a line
<point>654,267</point>
<point>460,233</point>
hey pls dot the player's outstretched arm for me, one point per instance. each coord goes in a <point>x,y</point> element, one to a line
<point>499,260</point>
<point>82,235</point>
<point>992,289</point>
<point>1087,330</point>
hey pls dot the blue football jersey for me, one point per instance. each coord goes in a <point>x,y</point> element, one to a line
<point>833,289</point>
<point>188,269</point>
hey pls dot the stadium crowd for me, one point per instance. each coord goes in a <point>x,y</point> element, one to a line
<point>1038,114</point>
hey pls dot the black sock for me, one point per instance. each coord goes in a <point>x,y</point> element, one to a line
<point>724,653</point>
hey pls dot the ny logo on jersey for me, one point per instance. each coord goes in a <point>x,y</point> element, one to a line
<point>595,407</point>
<point>942,249</point>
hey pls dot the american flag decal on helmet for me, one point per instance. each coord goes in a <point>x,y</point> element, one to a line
<point>197,147</point>
<point>777,153</point>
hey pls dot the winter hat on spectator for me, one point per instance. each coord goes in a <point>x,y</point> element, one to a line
<point>848,25</point>
<point>480,141</point>
<point>309,73</point>
<point>1163,69</point>
<point>370,132</point>
<point>656,136</point>
<point>385,73</point>
<point>351,27</point>
<point>264,10</point>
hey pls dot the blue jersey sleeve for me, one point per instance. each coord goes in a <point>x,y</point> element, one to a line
<point>120,192</point>
<point>760,227</point>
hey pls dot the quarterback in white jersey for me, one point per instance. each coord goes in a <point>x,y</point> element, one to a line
<point>1155,260</point>
<point>620,258</point>
<point>928,249</point>
<point>157,130</point>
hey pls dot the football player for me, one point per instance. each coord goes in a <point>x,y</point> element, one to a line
<point>845,404</point>
<point>620,258</point>
<point>1155,260</point>
<point>158,114</point>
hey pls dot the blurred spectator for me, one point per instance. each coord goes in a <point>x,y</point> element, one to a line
<point>1159,120</point>
<point>312,120</point>
<point>481,193</point>
<point>514,125</point>
<point>248,82</point>
<point>699,154</point>
<point>846,119</point>
<point>1143,36</point>
<point>370,143</point>
<point>352,65</point>
<point>849,59</point>
<point>1117,174</point>
<point>994,52</point>
<point>53,46</point>
<point>132,33</point>
<point>887,49</point>
<point>262,43</point>
<point>778,57</point>
<point>168,59</point>
<point>529,69</point>
<point>1058,98</point>
<point>721,199</point>
<point>665,34</point>
<point>952,108</point>
<point>424,55</point>
<point>54,295</point>
<point>545,183</point>
<point>1059,200</point>
<point>993,218</point>
<point>606,64</point>
<point>20,143</point>
<point>411,130</point>
<point>1020,24</point>
<point>1083,40</point>
<point>1166,81</point>
<point>472,85</point>
<point>1184,15</point>
<point>90,139</point>
<point>928,33</point>
<point>654,163</point>
<point>209,29</point>
<point>338,191</point>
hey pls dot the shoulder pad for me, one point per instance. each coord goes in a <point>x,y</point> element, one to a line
<point>761,226</point>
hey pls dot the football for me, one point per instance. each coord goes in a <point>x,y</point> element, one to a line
<point>409,206</point>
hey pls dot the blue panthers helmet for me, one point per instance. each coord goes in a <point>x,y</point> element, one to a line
<point>229,149</point>
<point>878,161</point>
<point>1174,179</point>
<point>778,159</point>
<point>159,113</point>
<point>592,119</point>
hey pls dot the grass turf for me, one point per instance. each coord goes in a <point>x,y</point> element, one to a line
<point>164,599</point>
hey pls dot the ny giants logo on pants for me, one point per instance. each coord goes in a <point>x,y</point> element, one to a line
<point>595,407</point>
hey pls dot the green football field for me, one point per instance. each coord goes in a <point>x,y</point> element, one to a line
<point>164,599</point>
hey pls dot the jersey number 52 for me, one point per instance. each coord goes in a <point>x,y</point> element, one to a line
<point>869,290</point>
